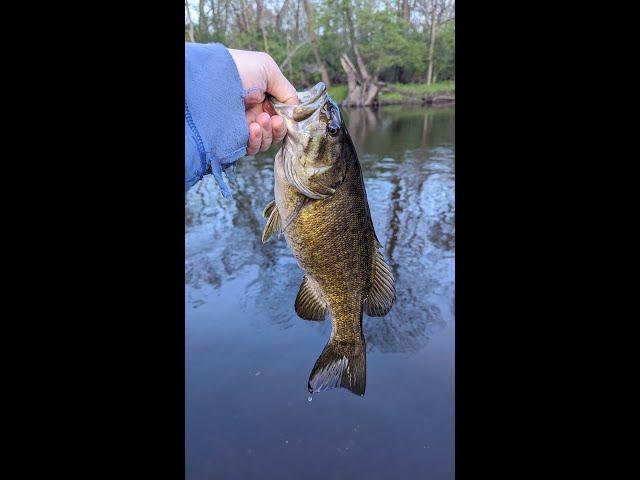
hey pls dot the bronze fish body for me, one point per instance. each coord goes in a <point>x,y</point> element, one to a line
<point>321,207</point>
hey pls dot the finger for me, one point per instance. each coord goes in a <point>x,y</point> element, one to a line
<point>252,112</point>
<point>254,96</point>
<point>279,128</point>
<point>279,86</point>
<point>255,139</point>
<point>264,120</point>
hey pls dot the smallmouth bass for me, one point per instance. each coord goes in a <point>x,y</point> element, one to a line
<point>321,208</point>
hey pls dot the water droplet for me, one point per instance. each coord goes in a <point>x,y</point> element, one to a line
<point>310,398</point>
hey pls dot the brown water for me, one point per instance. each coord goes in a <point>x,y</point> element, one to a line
<point>248,356</point>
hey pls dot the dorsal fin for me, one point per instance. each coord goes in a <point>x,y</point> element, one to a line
<point>382,293</point>
<point>309,304</point>
<point>273,224</point>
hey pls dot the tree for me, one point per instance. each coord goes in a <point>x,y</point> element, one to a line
<point>437,11</point>
<point>259,20</point>
<point>364,43</point>
<point>381,42</point>
<point>192,37</point>
<point>363,88</point>
<point>202,20</point>
<point>406,11</point>
<point>314,43</point>
<point>280,16</point>
<point>444,53</point>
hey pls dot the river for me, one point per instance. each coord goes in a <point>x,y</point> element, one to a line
<point>248,356</point>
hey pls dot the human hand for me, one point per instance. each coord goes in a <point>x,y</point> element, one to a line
<point>259,74</point>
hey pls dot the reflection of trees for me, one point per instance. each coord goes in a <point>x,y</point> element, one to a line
<point>399,128</point>
<point>426,127</point>
<point>418,240</point>
<point>221,234</point>
<point>361,122</point>
<point>411,197</point>
<point>394,224</point>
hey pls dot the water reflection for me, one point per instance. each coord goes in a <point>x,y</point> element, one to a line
<point>408,162</point>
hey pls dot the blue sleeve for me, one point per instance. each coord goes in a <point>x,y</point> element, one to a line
<point>215,127</point>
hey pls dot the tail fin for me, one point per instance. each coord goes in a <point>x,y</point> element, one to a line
<point>340,365</point>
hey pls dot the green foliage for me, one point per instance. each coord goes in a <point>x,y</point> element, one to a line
<point>419,89</point>
<point>391,97</point>
<point>399,92</point>
<point>444,53</point>
<point>338,92</point>
<point>392,48</point>
<point>413,92</point>
<point>384,38</point>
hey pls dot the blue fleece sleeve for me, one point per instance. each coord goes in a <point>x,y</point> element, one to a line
<point>215,127</point>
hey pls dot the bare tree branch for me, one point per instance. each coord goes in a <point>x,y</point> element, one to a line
<point>292,53</point>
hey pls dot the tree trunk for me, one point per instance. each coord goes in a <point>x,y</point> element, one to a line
<point>432,41</point>
<point>259,11</point>
<point>190,22</point>
<point>243,21</point>
<point>363,88</point>
<point>279,16</point>
<point>297,32</point>
<point>406,12</point>
<point>314,44</point>
<point>202,21</point>
<point>215,16</point>
<point>354,94</point>
<point>217,19</point>
<point>224,24</point>
<point>354,43</point>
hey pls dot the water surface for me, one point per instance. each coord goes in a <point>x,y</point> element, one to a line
<point>248,356</point>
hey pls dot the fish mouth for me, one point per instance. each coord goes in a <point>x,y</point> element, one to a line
<point>311,96</point>
<point>306,122</point>
<point>310,101</point>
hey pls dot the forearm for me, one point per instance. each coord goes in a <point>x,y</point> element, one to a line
<point>216,130</point>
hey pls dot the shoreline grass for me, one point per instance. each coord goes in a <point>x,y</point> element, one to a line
<point>400,92</point>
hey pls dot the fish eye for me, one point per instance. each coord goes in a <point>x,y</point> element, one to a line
<point>333,130</point>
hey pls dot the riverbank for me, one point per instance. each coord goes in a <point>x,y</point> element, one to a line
<point>406,93</point>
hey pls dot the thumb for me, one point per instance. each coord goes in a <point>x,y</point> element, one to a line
<point>279,86</point>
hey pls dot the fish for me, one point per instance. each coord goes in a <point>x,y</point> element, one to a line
<point>320,206</point>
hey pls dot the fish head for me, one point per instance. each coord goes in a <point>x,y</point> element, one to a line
<point>316,141</point>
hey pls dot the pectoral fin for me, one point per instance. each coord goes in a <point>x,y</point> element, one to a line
<point>273,224</point>
<point>307,187</point>
<point>309,304</point>
<point>268,209</point>
<point>383,291</point>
